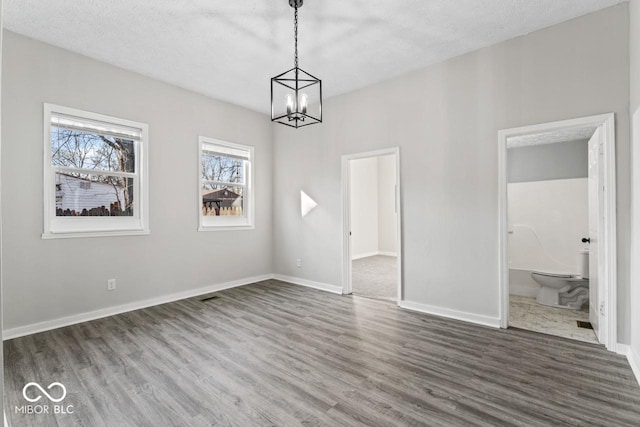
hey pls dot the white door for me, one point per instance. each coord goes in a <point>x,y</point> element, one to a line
<point>596,223</point>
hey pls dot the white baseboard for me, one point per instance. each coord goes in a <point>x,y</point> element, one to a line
<point>632,357</point>
<point>479,319</point>
<point>634,361</point>
<point>387,253</point>
<point>110,311</point>
<point>368,254</point>
<point>622,349</point>
<point>364,255</point>
<point>309,283</point>
<point>523,290</point>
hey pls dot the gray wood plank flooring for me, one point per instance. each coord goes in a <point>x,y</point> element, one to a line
<point>275,354</point>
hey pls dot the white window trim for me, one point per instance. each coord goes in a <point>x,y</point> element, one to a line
<point>228,223</point>
<point>65,227</point>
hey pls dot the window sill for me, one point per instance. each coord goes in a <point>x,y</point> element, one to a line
<point>73,235</point>
<point>226,228</point>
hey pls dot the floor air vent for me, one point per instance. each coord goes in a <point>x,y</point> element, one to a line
<point>586,325</point>
<point>209,298</point>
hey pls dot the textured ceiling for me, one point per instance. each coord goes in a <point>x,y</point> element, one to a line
<point>230,49</point>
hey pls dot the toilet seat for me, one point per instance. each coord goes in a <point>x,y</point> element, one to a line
<point>559,275</point>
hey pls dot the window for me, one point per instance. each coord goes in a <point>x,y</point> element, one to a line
<point>225,181</point>
<point>95,174</point>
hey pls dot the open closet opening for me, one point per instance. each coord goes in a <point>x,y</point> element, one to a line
<point>372,215</point>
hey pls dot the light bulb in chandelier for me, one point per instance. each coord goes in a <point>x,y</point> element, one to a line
<point>293,112</point>
<point>289,105</point>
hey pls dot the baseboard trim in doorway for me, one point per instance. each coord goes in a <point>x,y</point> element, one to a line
<point>370,254</point>
<point>309,283</point>
<point>111,311</point>
<point>634,361</point>
<point>382,253</point>
<point>365,255</point>
<point>478,319</point>
<point>632,358</point>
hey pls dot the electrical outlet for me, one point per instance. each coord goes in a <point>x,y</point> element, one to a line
<point>298,263</point>
<point>111,284</point>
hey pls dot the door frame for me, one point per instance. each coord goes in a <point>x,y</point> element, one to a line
<point>606,236</point>
<point>346,216</point>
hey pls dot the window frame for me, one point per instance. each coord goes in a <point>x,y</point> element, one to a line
<point>222,223</point>
<point>56,227</point>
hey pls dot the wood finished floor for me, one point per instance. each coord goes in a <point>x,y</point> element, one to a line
<point>278,354</point>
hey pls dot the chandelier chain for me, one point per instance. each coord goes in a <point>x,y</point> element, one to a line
<point>295,32</point>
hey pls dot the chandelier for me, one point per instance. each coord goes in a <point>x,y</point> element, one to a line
<point>296,96</point>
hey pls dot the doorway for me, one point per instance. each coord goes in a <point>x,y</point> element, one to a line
<point>372,231</point>
<point>595,258</point>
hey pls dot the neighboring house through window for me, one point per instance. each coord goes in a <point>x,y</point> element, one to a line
<point>95,174</point>
<point>226,190</point>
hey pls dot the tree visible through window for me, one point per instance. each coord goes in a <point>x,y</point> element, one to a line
<point>94,170</point>
<point>83,158</point>
<point>225,184</point>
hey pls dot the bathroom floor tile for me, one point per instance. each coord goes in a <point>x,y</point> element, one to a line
<point>526,313</point>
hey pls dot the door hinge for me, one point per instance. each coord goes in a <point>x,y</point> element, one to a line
<point>602,308</point>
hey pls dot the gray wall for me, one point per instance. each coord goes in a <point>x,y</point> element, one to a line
<point>49,279</point>
<point>373,206</point>
<point>364,207</point>
<point>565,160</point>
<point>445,119</point>
<point>634,37</point>
<point>387,218</point>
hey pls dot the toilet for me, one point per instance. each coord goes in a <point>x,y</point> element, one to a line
<point>564,290</point>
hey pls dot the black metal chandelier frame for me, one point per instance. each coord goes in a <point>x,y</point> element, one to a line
<point>296,79</point>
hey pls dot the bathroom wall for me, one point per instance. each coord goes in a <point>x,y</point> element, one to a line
<point>547,219</point>
<point>548,161</point>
